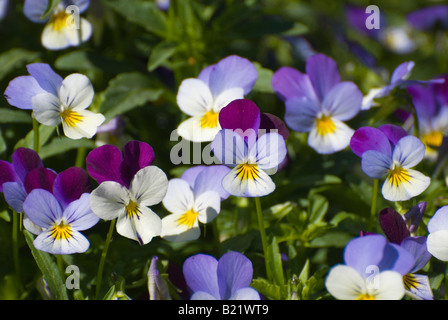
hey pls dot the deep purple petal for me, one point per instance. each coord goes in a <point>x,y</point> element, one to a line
<point>323,73</point>
<point>271,122</point>
<point>396,258</point>
<point>70,184</point>
<point>363,252</point>
<point>357,17</point>
<point>414,216</point>
<point>232,72</point>
<point>426,18</point>
<point>7,173</point>
<point>48,80</point>
<point>40,178</point>
<point>21,90</point>
<point>200,273</point>
<point>34,9</point>
<point>416,246</point>
<point>368,138</point>
<point>424,101</point>
<point>393,133</point>
<point>393,225</point>
<point>235,271</point>
<point>288,82</point>
<point>137,155</point>
<point>42,208</point>
<point>240,114</point>
<point>103,163</point>
<point>24,160</point>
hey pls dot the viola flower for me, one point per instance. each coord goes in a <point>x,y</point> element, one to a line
<point>127,187</point>
<point>157,286</point>
<point>195,197</point>
<point>373,270</point>
<point>253,155</point>
<point>226,279</point>
<point>428,18</point>
<point>203,98</point>
<point>431,106</point>
<point>438,234</point>
<point>318,103</point>
<point>389,151</point>
<point>55,100</point>
<point>60,227</point>
<point>397,231</point>
<point>64,28</point>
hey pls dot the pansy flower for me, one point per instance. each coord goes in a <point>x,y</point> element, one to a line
<point>64,28</point>
<point>429,17</point>
<point>60,226</point>
<point>128,186</point>
<point>195,197</point>
<point>55,100</point>
<point>438,234</point>
<point>226,279</point>
<point>373,269</point>
<point>203,98</point>
<point>390,152</point>
<point>431,106</point>
<point>397,231</point>
<point>252,153</point>
<point>318,103</point>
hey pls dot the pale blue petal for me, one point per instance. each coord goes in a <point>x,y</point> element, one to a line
<point>21,90</point>
<point>48,80</point>
<point>343,102</point>
<point>42,208</point>
<point>200,273</point>
<point>15,194</point>
<point>301,113</point>
<point>375,164</point>
<point>409,151</point>
<point>34,9</point>
<point>439,220</point>
<point>235,271</point>
<point>79,214</point>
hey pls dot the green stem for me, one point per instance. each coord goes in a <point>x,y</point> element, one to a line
<point>216,234</point>
<point>264,241</point>
<point>15,240</point>
<point>103,258</point>
<point>373,204</point>
<point>36,135</point>
<point>80,157</point>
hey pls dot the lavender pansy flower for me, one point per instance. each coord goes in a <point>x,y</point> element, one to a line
<point>128,186</point>
<point>60,226</point>
<point>253,155</point>
<point>226,279</point>
<point>429,17</point>
<point>203,98</point>
<point>157,286</point>
<point>55,100</point>
<point>389,151</point>
<point>397,231</point>
<point>438,234</point>
<point>318,103</point>
<point>195,197</point>
<point>64,28</point>
<point>373,269</point>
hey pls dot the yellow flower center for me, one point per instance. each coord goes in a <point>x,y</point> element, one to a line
<point>209,120</point>
<point>59,20</point>
<point>70,117</point>
<point>61,231</point>
<point>132,210</point>
<point>188,218</point>
<point>247,171</point>
<point>365,296</point>
<point>325,125</point>
<point>410,281</point>
<point>398,175</point>
<point>433,139</point>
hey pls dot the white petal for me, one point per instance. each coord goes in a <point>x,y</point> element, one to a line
<point>269,151</point>
<point>194,97</point>
<point>109,200</point>
<point>149,186</point>
<point>76,92</point>
<point>245,184</point>
<point>333,142</point>
<point>179,196</point>
<point>201,295</point>
<point>345,283</point>
<point>46,108</point>
<point>66,37</point>
<point>227,96</point>
<point>77,36</point>
<point>141,228</point>
<point>192,130</point>
<point>77,243</point>
<point>207,205</point>
<point>245,294</point>
<point>86,127</point>
<point>229,148</point>
<point>415,184</point>
<point>437,244</point>
<point>172,230</point>
<point>390,286</point>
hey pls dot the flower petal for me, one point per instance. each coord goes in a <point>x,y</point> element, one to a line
<point>76,92</point>
<point>409,151</point>
<point>368,138</point>
<point>137,155</point>
<point>343,101</point>
<point>226,97</point>
<point>240,114</point>
<point>323,73</point>
<point>248,182</point>
<point>200,272</point>
<point>7,173</point>
<point>393,133</point>
<point>103,164</point>
<point>179,197</point>
<point>235,271</point>
<point>48,80</point>
<point>245,294</point>
<point>21,90</point>
<point>393,225</point>
<point>15,194</point>
<point>269,151</point>
<point>437,244</point>
<point>70,184</point>
<point>397,259</point>
<point>24,160</point>
<point>42,208</point>
<point>172,230</point>
<point>288,82</point>
<point>332,142</point>
<point>402,72</point>
<point>363,252</point>
<point>210,179</point>
<point>439,220</point>
<point>192,130</point>
<point>141,228</point>
<point>34,10</point>
<point>229,147</point>
<point>194,97</point>
<point>414,185</point>
<point>417,247</point>
<point>375,164</point>
<point>109,199</point>
<point>77,243</point>
<point>149,186</point>
<point>79,214</point>
<point>345,283</point>
<point>391,286</point>
<point>418,286</point>
<point>40,178</point>
<point>301,113</point>
<point>272,123</point>
<point>46,109</point>
<point>207,205</point>
<point>86,127</point>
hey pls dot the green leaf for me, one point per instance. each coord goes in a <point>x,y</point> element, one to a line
<point>14,116</point>
<point>49,269</point>
<point>274,260</point>
<point>15,58</point>
<point>267,289</point>
<point>264,79</point>
<point>45,133</point>
<point>318,208</point>
<point>160,53</point>
<point>63,144</point>
<point>128,91</point>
